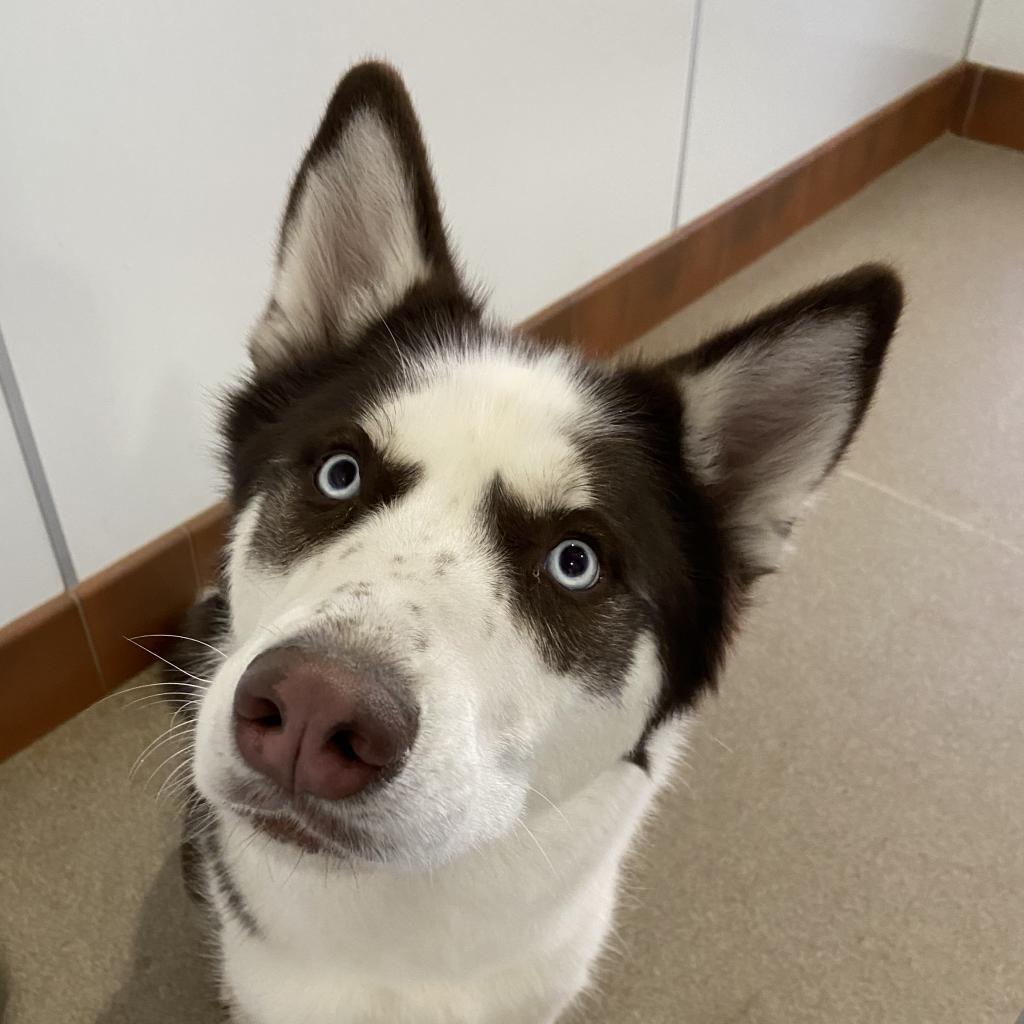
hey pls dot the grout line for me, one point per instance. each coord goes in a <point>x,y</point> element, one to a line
<point>684,139</point>
<point>972,28</point>
<point>921,506</point>
<point>77,602</point>
<point>34,465</point>
<point>972,102</point>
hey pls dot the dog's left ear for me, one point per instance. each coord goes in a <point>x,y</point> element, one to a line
<point>362,227</point>
<point>769,407</point>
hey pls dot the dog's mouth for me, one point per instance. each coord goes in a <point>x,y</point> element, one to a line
<point>286,830</point>
<point>301,823</point>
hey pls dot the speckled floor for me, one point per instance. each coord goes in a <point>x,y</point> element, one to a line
<point>848,843</point>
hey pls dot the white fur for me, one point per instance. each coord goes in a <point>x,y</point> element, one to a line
<point>508,823</point>
<point>467,416</point>
<point>505,934</point>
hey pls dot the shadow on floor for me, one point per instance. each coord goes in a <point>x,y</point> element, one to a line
<point>171,977</point>
<point>4,987</point>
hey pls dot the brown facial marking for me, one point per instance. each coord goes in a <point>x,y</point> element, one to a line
<point>226,883</point>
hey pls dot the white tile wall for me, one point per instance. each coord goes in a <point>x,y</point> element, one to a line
<point>775,79</point>
<point>147,151</point>
<point>28,571</point>
<point>999,36</point>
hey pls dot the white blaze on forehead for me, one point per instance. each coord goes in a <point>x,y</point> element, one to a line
<point>466,417</point>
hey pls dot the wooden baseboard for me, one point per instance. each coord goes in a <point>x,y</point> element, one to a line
<point>61,657</point>
<point>47,672</point>
<point>992,108</point>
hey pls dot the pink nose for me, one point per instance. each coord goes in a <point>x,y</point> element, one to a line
<point>308,723</point>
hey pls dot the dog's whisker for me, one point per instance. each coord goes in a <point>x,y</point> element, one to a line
<point>246,843</point>
<point>160,657</point>
<point>173,732</point>
<point>537,843</point>
<point>185,707</point>
<point>176,779</point>
<point>178,753</point>
<point>167,734</point>
<point>164,697</point>
<point>724,746</point>
<point>295,867</point>
<point>163,686</point>
<point>177,782</point>
<point>394,340</point>
<point>171,795</point>
<point>558,810</point>
<point>115,694</point>
<point>151,702</point>
<point>176,636</point>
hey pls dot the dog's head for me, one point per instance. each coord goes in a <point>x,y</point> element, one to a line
<point>467,569</point>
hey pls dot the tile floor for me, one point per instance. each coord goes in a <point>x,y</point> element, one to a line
<point>847,843</point>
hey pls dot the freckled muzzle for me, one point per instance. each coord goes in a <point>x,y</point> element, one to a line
<point>318,724</point>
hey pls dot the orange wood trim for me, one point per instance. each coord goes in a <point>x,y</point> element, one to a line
<point>142,594</point>
<point>59,658</point>
<point>994,110</point>
<point>47,672</point>
<point>208,535</point>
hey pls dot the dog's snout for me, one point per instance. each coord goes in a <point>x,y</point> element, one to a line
<point>313,725</point>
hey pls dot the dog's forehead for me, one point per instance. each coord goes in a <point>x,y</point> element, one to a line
<point>468,417</point>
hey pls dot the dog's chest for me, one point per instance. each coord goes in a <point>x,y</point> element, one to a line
<point>506,937</point>
<point>268,985</point>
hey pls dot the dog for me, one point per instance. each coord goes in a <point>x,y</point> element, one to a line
<point>474,588</point>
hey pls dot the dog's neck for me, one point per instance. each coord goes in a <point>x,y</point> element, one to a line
<point>471,909</point>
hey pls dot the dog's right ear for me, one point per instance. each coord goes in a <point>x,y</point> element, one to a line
<point>770,406</point>
<point>362,226</point>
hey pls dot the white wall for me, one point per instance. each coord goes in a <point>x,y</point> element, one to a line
<point>148,147</point>
<point>28,572</point>
<point>147,151</point>
<point>773,80</point>
<point>999,36</point>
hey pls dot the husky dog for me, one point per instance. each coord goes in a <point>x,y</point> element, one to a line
<point>474,588</point>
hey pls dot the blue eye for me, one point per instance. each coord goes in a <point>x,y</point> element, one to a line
<point>573,564</point>
<point>338,477</point>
